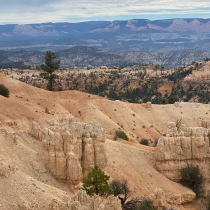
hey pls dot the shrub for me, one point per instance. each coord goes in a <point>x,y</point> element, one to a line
<point>4,91</point>
<point>155,142</point>
<point>145,204</point>
<point>171,99</point>
<point>192,177</point>
<point>121,134</point>
<point>121,190</point>
<point>145,142</point>
<point>116,185</point>
<point>47,111</point>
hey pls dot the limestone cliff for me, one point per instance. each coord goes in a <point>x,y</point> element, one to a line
<point>187,145</point>
<point>71,148</point>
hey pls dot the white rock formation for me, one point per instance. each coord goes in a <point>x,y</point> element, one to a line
<point>71,148</point>
<point>189,145</point>
<point>159,199</point>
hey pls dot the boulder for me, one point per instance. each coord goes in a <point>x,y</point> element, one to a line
<point>148,105</point>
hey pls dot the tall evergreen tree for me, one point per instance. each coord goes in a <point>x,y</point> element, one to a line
<point>96,183</point>
<point>49,68</point>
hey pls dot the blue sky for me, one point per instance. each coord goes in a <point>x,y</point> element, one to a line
<point>39,11</point>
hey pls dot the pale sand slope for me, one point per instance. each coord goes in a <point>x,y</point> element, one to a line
<point>136,165</point>
<point>24,178</point>
<point>32,182</point>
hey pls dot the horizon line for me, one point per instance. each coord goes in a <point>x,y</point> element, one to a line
<point>83,21</point>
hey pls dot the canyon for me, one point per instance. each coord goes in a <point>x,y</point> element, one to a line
<point>45,155</point>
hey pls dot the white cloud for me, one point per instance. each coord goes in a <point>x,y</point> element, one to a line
<point>36,11</point>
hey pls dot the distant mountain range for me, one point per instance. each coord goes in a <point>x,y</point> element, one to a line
<point>83,57</point>
<point>131,35</point>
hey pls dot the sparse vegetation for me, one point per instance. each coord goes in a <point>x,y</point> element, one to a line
<point>171,99</point>
<point>155,142</point>
<point>144,142</point>
<point>4,91</point>
<point>47,111</point>
<point>208,203</point>
<point>136,87</point>
<point>96,182</point>
<point>179,74</point>
<point>145,204</point>
<point>122,191</point>
<point>121,134</point>
<point>192,177</point>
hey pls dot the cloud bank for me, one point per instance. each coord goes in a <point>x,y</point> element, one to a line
<point>37,11</point>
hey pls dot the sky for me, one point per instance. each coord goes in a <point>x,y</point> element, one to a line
<point>40,11</point>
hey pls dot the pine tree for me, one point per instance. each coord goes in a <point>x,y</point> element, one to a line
<point>96,182</point>
<point>49,68</point>
<point>171,99</point>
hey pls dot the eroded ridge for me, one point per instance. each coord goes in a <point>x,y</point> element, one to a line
<point>71,148</point>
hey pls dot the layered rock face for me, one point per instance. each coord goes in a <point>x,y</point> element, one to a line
<point>189,145</point>
<point>71,148</point>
